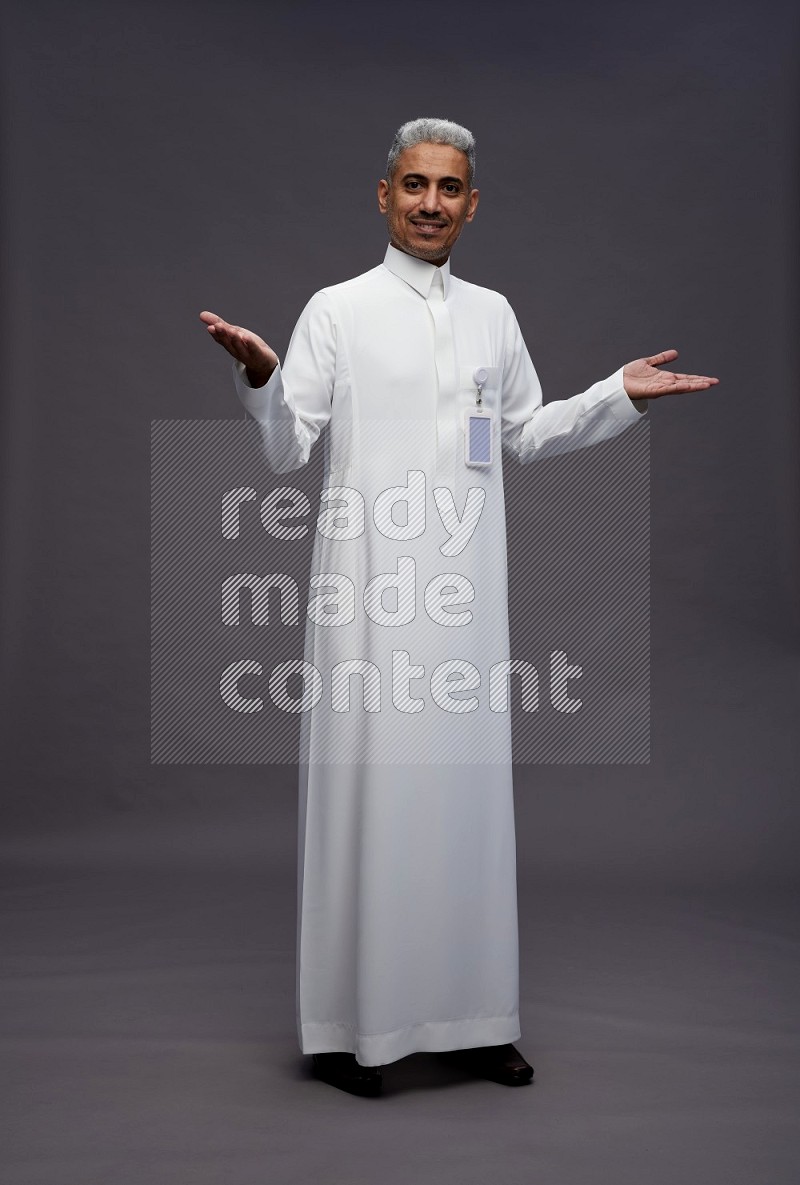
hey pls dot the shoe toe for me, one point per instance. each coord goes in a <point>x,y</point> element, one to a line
<point>343,1071</point>
<point>498,1063</point>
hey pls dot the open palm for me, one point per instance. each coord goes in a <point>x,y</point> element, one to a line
<point>245,346</point>
<point>643,381</point>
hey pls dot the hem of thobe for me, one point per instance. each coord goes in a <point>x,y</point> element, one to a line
<point>379,1049</point>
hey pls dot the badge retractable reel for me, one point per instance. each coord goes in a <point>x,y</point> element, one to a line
<point>478,424</point>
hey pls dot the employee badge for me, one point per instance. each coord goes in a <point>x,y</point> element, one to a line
<point>478,426</point>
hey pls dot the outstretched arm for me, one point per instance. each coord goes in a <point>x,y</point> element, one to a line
<point>291,404</point>
<point>532,430</point>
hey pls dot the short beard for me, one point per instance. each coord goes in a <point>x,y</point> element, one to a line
<point>429,254</point>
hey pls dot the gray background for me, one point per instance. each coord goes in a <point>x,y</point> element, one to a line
<point>638,168</point>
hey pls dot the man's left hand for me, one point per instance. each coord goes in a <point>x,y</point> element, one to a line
<point>642,381</point>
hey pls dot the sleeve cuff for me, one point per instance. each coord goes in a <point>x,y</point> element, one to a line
<point>257,400</point>
<point>625,409</point>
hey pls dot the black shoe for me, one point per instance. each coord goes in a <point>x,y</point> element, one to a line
<point>342,1070</point>
<point>498,1063</point>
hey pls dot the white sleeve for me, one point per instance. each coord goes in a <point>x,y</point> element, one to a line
<point>532,430</point>
<point>295,405</point>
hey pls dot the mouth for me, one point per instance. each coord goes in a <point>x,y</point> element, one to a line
<point>428,228</point>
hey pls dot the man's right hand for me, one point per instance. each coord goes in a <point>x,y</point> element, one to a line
<point>259,359</point>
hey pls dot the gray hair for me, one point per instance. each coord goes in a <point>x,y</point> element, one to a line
<point>433,131</point>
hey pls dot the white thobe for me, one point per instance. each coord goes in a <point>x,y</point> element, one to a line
<point>407,912</point>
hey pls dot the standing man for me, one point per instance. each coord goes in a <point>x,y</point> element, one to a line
<point>407,912</point>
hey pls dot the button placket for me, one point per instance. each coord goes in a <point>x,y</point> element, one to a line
<point>447,384</point>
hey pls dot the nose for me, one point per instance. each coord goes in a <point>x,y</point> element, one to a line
<point>430,203</point>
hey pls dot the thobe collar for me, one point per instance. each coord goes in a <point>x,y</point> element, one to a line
<point>416,272</point>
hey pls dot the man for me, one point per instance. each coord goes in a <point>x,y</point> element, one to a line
<point>407,924</point>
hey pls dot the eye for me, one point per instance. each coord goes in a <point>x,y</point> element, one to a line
<point>451,187</point>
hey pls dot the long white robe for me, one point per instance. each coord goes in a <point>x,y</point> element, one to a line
<point>407,912</point>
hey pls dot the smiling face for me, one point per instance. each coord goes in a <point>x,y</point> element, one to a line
<point>427,201</point>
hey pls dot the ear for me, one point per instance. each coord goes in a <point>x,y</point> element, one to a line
<point>383,195</point>
<point>473,204</point>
